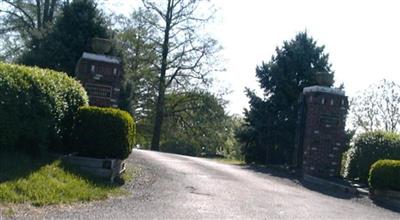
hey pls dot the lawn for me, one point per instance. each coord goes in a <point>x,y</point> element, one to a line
<point>47,181</point>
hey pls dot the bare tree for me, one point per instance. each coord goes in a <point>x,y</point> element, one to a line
<point>186,54</point>
<point>377,108</point>
<point>27,14</point>
<point>24,20</point>
<point>139,87</point>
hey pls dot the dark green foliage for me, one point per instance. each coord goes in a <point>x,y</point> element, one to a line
<point>179,147</point>
<point>268,133</point>
<point>62,47</point>
<point>231,149</point>
<point>385,174</point>
<point>367,149</point>
<point>36,107</point>
<point>194,120</point>
<point>103,133</point>
<point>246,135</point>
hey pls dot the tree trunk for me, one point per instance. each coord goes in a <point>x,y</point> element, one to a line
<point>38,14</point>
<point>155,142</point>
<point>52,8</point>
<point>46,8</point>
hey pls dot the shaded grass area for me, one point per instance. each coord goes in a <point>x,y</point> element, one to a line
<point>47,181</point>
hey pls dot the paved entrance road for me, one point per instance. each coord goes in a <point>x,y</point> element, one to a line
<point>179,187</point>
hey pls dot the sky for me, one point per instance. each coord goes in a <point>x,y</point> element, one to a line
<point>362,38</point>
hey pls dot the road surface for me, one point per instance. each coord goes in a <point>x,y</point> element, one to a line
<point>178,187</point>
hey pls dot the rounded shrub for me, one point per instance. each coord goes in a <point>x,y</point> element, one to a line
<point>103,133</point>
<point>37,107</point>
<point>367,149</point>
<point>385,174</point>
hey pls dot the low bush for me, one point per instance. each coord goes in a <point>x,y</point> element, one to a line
<point>37,107</point>
<point>385,174</point>
<point>367,149</point>
<point>103,133</point>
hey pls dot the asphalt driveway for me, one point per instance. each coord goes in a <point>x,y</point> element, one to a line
<point>178,187</point>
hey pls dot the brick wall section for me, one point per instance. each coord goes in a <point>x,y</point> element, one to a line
<point>102,84</point>
<point>324,133</point>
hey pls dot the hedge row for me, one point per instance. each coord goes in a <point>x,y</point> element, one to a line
<point>385,174</point>
<point>369,148</point>
<point>37,107</point>
<point>103,133</point>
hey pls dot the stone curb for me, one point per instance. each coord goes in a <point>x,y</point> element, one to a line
<point>389,198</point>
<point>362,191</point>
<point>105,168</point>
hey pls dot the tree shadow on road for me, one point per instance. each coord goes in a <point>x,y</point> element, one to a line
<point>295,177</point>
<point>387,205</point>
<point>333,192</point>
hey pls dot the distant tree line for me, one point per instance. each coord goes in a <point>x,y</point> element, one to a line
<point>168,57</point>
<point>377,108</point>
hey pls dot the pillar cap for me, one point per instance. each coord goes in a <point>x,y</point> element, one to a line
<point>323,89</point>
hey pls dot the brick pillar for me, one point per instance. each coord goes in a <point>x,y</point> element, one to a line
<point>323,137</point>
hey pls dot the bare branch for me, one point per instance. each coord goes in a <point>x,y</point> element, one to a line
<point>19,18</point>
<point>22,11</point>
<point>152,7</point>
<point>38,14</point>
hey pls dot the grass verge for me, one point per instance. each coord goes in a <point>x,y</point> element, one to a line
<point>229,161</point>
<point>46,181</point>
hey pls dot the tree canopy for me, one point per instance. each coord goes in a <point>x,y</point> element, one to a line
<point>269,131</point>
<point>195,122</point>
<point>185,51</point>
<point>139,55</point>
<point>60,50</point>
<point>194,119</point>
<point>24,22</point>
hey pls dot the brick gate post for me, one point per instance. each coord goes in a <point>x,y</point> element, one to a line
<point>322,128</point>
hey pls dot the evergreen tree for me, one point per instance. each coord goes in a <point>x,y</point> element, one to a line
<point>60,50</point>
<point>269,131</point>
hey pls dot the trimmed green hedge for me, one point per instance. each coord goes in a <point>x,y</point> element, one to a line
<point>103,133</point>
<point>37,107</point>
<point>385,174</point>
<point>367,149</point>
